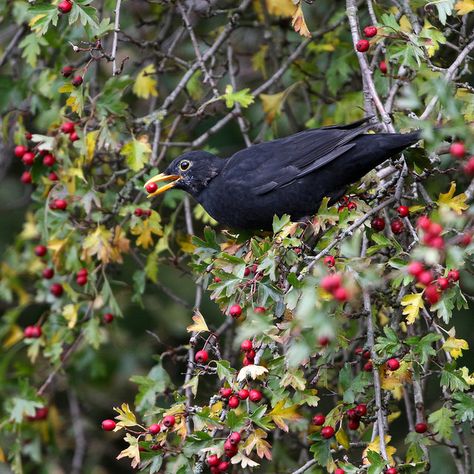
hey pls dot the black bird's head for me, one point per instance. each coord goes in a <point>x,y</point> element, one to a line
<point>191,172</point>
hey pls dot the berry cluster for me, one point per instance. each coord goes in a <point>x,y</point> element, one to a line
<point>247,348</point>
<point>333,285</point>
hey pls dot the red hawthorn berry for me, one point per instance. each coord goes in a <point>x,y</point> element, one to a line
<point>436,242</point>
<point>40,250</point>
<point>368,366</point>
<point>366,354</point>
<point>235,438</point>
<point>28,158</point>
<point>421,428</point>
<point>329,261</point>
<point>201,357</point>
<point>169,421</point>
<point>383,67</point>
<point>255,395</point>
<point>108,318</point>
<point>49,160</point>
<point>327,432</point>
<point>432,294</point>
<point>378,224</point>
<point>469,166</point>
<point>246,361</point>
<point>151,188</point>
<point>154,429</point>
<point>424,223</point>
<point>56,289</point>
<point>81,280</point>
<point>243,394</point>
<point>233,402</point>
<point>362,45</point>
<point>66,71</point>
<point>352,414</point>
<point>214,470</point>
<point>259,310</point>
<point>108,425</point>
<point>53,176</point>
<point>352,206</point>
<point>370,31</point>
<point>361,409</point>
<point>457,150</point>
<point>26,177</point>
<point>68,127</point>
<point>353,424</point>
<point>403,211</point>
<point>324,341</point>
<point>251,354</point>
<point>397,226</point>
<point>156,447</point>
<point>217,280</point>
<point>435,229</point>
<point>466,238</point>
<point>77,81</point>
<point>247,271</point>
<point>225,392</point>
<point>213,460</point>
<point>43,152</point>
<point>28,135</point>
<point>415,268</point>
<point>138,212</point>
<point>20,150</point>
<point>41,413</point>
<point>65,6</point>
<point>319,419</point>
<point>32,332</point>
<point>73,137</point>
<point>48,273</point>
<point>235,310</point>
<point>60,204</point>
<point>341,294</point>
<point>339,470</point>
<point>391,470</point>
<point>330,283</point>
<point>425,277</point>
<point>443,283</point>
<point>82,272</point>
<point>246,345</point>
<point>453,275</point>
<point>223,466</point>
<point>230,450</point>
<point>393,364</point>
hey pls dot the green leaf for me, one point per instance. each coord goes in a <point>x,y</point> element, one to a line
<point>377,462</point>
<point>388,345</point>
<point>224,370</point>
<point>464,406</point>
<point>136,153</point>
<point>31,48</point>
<point>22,407</point>
<point>452,378</point>
<point>150,386</point>
<point>442,423</point>
<point>242,97</point>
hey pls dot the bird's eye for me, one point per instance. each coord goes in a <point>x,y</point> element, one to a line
<point>184,165</point>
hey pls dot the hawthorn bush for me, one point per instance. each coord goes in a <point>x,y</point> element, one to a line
<point>333,345</point>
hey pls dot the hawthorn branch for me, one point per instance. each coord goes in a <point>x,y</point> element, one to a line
<point>113,54</point>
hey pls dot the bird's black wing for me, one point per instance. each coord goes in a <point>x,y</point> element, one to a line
<point>278,163</point>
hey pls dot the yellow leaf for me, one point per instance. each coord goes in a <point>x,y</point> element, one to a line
<point>243,460</point>
<point>132,452</point>
<point>105,245</point>
<point>91,139</point>
<point>185,243</point>
<point>70,314</point>
<point>405,24</point>
<point>145,84</point>
<point>394,380</point>
<point>57,246</point>
<point>252,371</point>
<point>280,414</point>
<point>299,24</point>
<point>136,152</point>
<point>280,7</point>
<point>258,60</point>
<point>35,19</point>
<point>375,446</point>
<point>13,336</point>
<point>465,375</point>
<point>413,304</point>
<point>343,439</point>
<point>455,346</point>
<point>199,323</point>
<point>257,440</point>
<point>463,7</point>
<point>125,417</point>
<point>66,88</point>
<point>144,229</point>
<point>30,230</point>
<point>456,203</point>
<point>272,103</point>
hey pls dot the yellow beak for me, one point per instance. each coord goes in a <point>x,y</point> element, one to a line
<point>162,177</point>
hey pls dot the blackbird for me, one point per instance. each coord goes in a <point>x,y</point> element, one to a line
<point>289,175</point>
